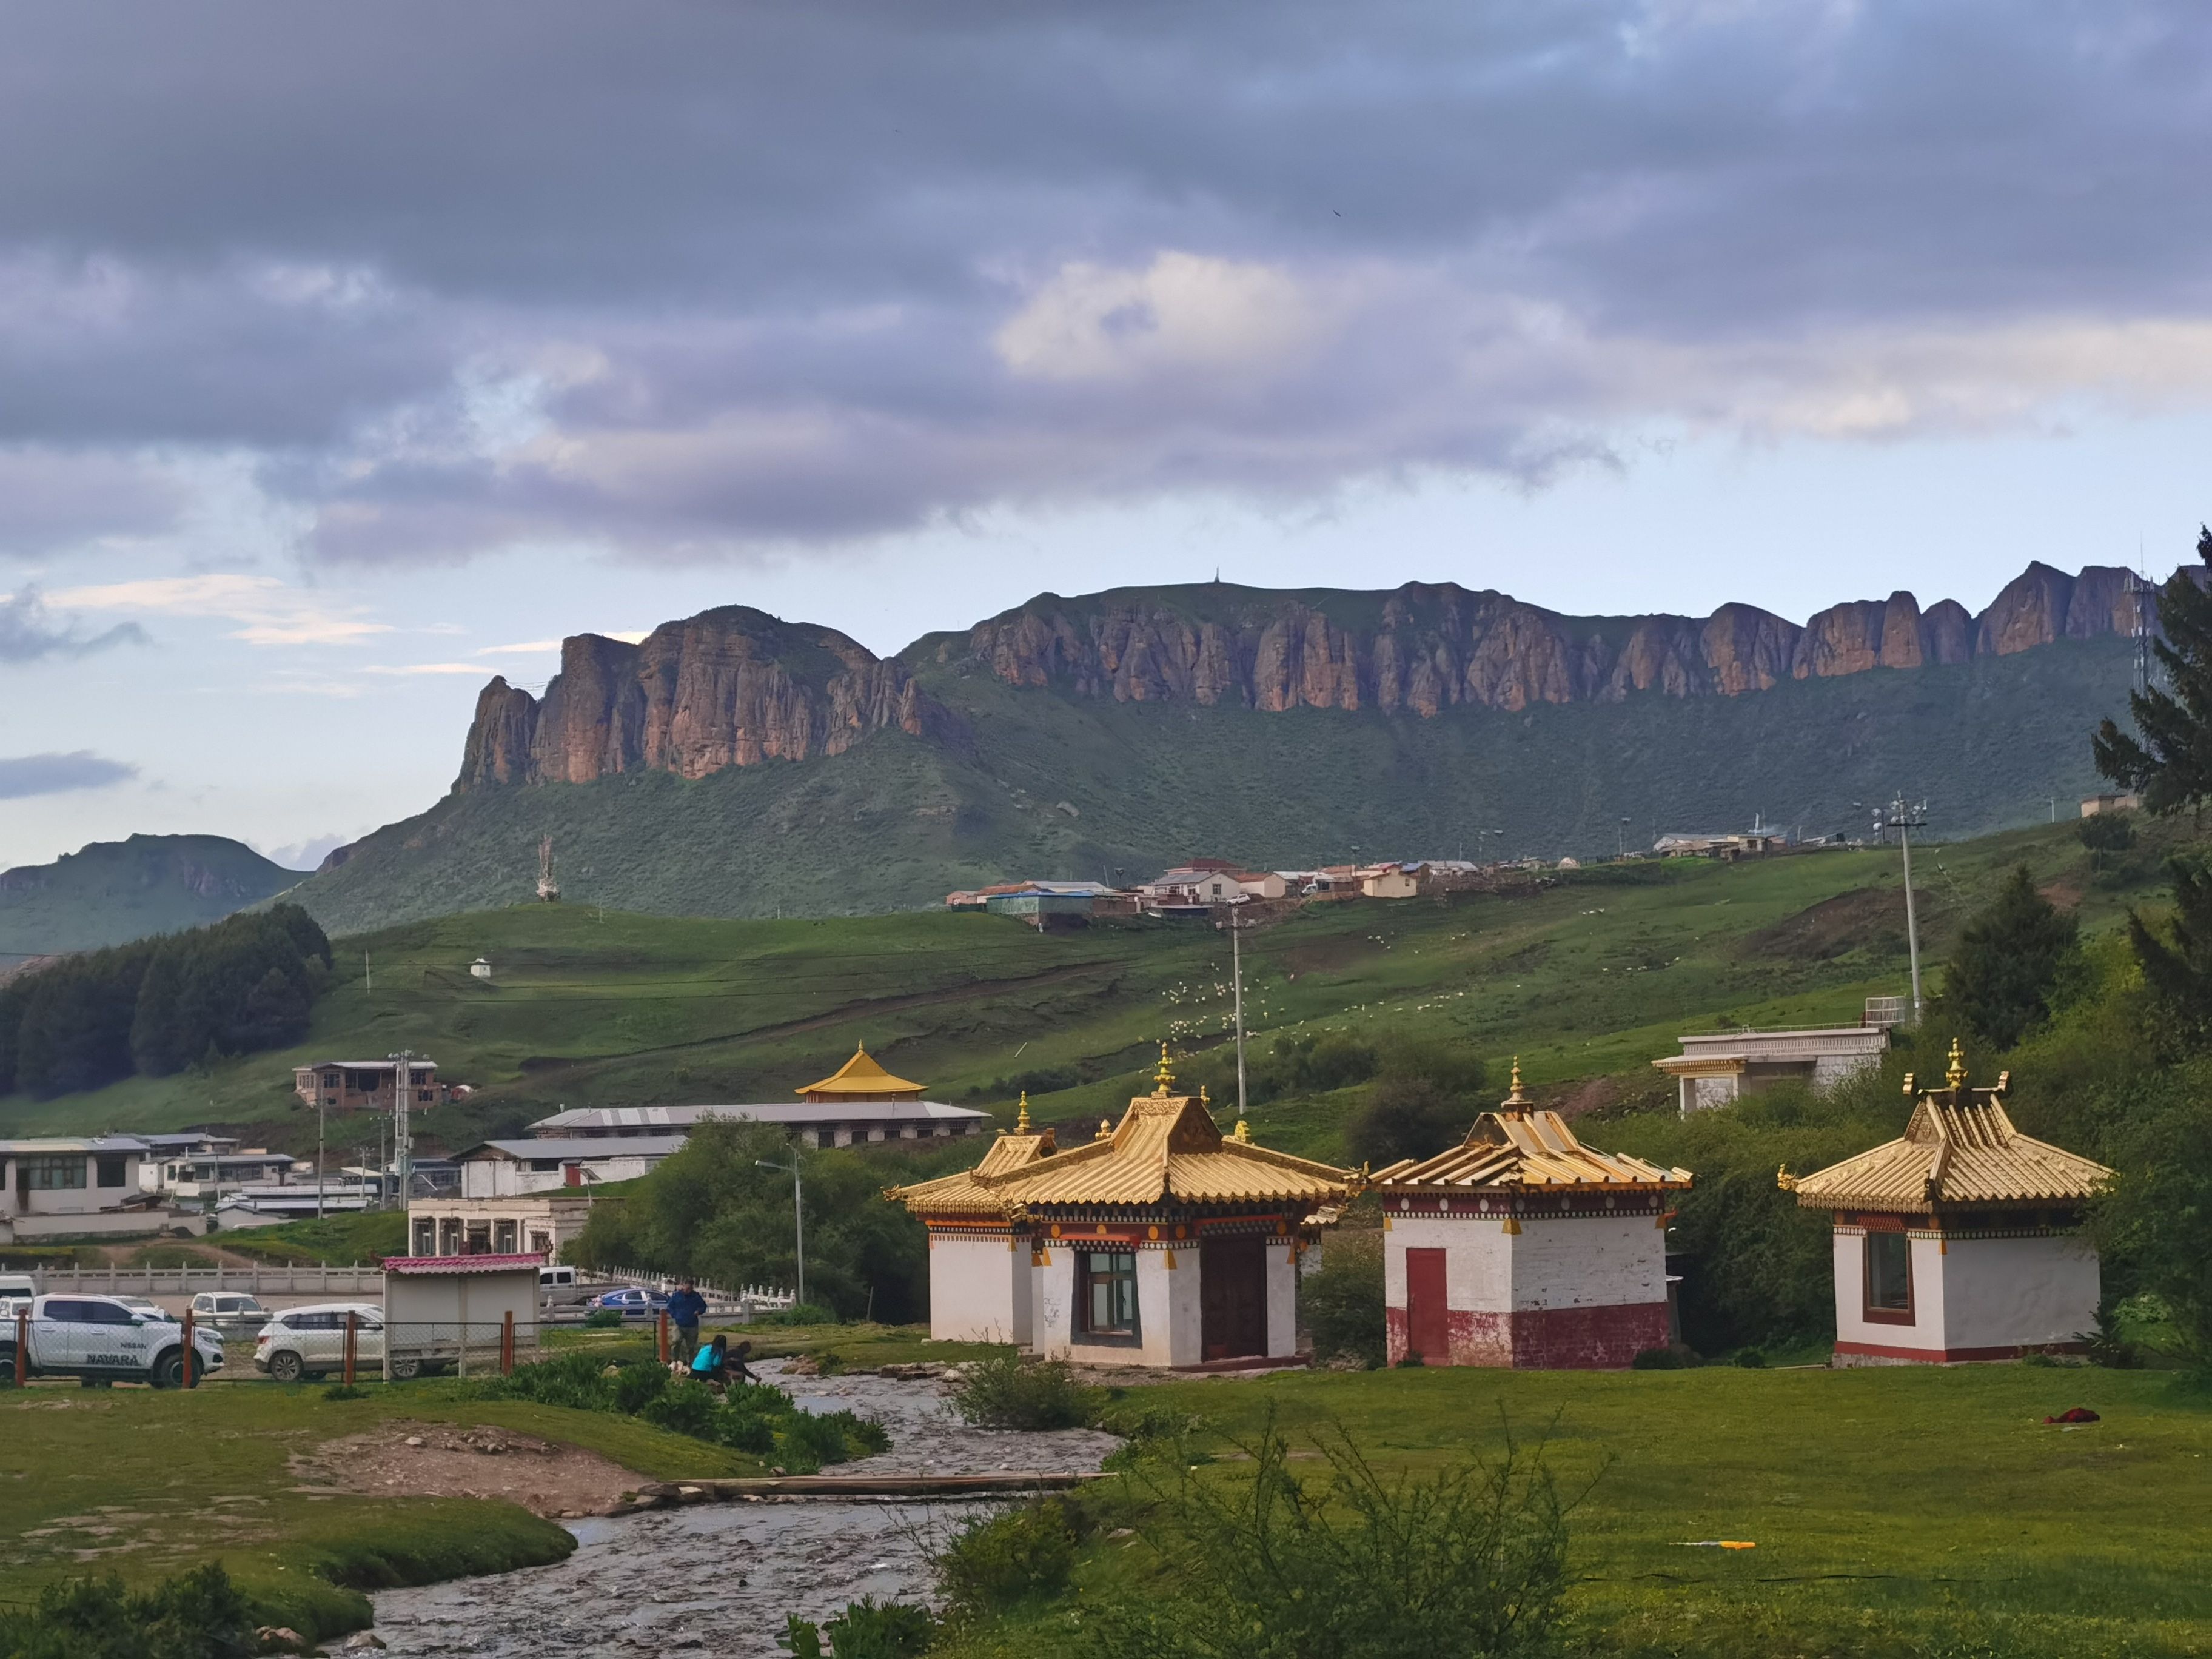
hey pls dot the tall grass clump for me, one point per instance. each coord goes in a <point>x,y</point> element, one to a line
<point>1469,1562</point>
<point>1009,1390</point>
<point>1342,1300</point>
<point>195,1615</point>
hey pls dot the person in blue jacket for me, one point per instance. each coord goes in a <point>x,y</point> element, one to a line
<point>685,1308</point>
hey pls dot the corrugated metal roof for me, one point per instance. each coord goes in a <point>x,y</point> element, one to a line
<point>427,1265</point>
<point>1166,1149</point>
<point>615,1121</point>
<point>597,1149</point>
<point>1955,1151</point>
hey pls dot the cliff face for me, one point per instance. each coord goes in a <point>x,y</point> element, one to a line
<point>1432,648</point>
<point>730,687</point>
<point>735,687</point>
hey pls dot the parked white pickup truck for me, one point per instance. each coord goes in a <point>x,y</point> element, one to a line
<point>97,1339</point>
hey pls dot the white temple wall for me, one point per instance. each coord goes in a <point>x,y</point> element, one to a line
<point>979,1289</point>
<point>2018,1292</point>
<point>1477,1260</point>
<point>1282,1298</point>
<point>1589,1262</point>
<point>1052,1299</point>
<point>1925,1332</point>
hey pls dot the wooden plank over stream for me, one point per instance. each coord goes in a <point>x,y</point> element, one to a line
<point>661,1493</point>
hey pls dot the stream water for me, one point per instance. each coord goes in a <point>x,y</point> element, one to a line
<point>722,1577</point>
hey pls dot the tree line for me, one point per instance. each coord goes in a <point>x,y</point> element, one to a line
<point>155,1006</point>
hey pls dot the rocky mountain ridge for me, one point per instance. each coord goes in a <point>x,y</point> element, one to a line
<point>737,687</point>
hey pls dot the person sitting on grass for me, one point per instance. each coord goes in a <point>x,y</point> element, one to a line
<point>685,1309</point>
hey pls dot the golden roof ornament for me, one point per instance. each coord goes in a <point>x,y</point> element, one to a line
<point>1105,1128</point>
<point>1204,1098</point>
<point>1022,1122</point>
<point>1517,1100</point>
<point>1243,1136</point>
<point>1956,1077</point>
<point>1162,1080</point>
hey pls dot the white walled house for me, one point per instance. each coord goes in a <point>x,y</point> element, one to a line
<point>1523,1248</point>
<point>63,1187</point>
<point>1162,1242</point>
<point>1960,1240</point>
<point>540,1223</point>
<point>1716,1069</point>
<point>511,1169</point>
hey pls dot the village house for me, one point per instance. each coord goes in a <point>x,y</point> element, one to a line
<point>509,1169</point>
<point>1391,881</point>
<point>352,1085</point>
<point>63,1187</point>
<point>1161,1242</point>
<point>1960,1240</point>
<point>1718,1068</point>
<point>1522,1247</point>
<point>541,1224</point>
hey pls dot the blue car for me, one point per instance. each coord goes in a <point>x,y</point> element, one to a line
<point>630,1300</point>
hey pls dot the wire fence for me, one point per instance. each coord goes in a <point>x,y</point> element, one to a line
<point>359,1348</point>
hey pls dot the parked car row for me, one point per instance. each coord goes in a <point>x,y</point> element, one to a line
<point>102,1339</point>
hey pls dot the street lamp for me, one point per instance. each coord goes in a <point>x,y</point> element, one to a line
<point>1620,845</point>
<point>798,1221</point>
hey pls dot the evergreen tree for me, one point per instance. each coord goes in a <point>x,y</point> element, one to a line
<point>2008,962</point>
<point>2170,759</point>
<point>2177,961</point>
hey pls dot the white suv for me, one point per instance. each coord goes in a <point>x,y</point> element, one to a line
<point>302,1342</point>
<point>96,1339</point>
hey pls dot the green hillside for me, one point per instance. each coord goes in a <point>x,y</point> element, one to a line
<point>113,891</point>
<point>1055,786</point>
<point>1587,977</point>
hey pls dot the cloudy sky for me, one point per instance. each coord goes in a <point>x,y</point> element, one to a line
<point>349,354</point>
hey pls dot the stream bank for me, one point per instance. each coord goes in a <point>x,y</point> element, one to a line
<point>723,1577</point>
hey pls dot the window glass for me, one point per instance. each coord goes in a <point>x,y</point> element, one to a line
<point>1889,1271</point>
<point>111,1169</point>
<point>1107,1297</point>
<point>112,1313</point>
<point>74,1313</point>
<point>51,1174</point>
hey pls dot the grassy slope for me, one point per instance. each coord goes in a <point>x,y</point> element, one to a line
<point>897,822</point>
<point>1894,1511</point>
<point>113,891</point>
<point>151,1483</point>
<point>1596,975</point>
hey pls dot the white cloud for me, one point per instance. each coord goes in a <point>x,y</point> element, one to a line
<point>411,668</point>
<point>528,648</point>
<point>273,613</point>
<point>1183,312</point>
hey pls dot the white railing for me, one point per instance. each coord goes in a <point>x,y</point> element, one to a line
<point>271,1279</point>
<point>748,1299</point>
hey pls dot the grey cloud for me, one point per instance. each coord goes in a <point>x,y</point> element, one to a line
<point>53,774</point>
<point>754,264</point>
<point>27,634</point>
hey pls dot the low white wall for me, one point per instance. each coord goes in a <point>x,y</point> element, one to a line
<point>1282,1298</point>
<point>1589,1262</point>
<point>2018,1292</point>
<point>978,1288</point>
<point>1926,1331</point>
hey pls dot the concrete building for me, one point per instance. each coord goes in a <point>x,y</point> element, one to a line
<point>815,1123</point>
<point>465,1309</point>
<point>510,1169</point>
<point>2092,806</point>
<point>1523,1248</point>
<point>541,1224</point>
<point>1716,1069</point>
<point>1161,1242</point>
<point>204,1175</point>
<point>359,1085</point>
<point>1390,881</point>
<point>1961,1239</point>
<point>64,1187</point>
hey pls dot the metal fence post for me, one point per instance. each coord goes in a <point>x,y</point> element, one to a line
<point>23,1348</point>
<point>661,1330</point>
<point>507,1344</point>
<point>352,1343</point>
<point>190,1355</point>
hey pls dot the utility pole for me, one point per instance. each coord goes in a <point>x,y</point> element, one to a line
<point>797,1222</point>
<point>318,1154</point>
<point>402,1144</point>
<point>1236,982</point>
<point>1620,841</point>
<point>1904,820</point>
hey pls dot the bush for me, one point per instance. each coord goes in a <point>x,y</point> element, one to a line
<point>1657,1359</point>
<point>1406,1117</point>
<point>865,1630</point>
<point>1007,1390</point>
<point>1471,1560</point>
<point>1342,1300</point>
<point>603,1319</point>
<point>195,1615</point>
<point>1752,1359</point>
<point>803,1313</point>
<point>637,1387</point>
<point>685,1407</point>
<point>994,1563</point>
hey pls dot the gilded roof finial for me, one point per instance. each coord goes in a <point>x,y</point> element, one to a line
<point>1957,1075</point>
<point>1516,1098</point>
<point>1022,1122</point>
<point>1162,1078</point>
<point>1105,1128</point>
<point>1244,1133</point>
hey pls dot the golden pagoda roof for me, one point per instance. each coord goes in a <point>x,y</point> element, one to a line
<point>1167,1149</point>
<point>1519,1146</point>
<point>861,1075</point>
<point>1958,1148</point>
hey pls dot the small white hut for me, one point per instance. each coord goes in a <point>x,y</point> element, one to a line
<point>1960,1240</point>
<point>1522,1247</point>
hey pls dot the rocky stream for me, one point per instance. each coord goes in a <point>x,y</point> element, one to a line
<point>722,1577</point>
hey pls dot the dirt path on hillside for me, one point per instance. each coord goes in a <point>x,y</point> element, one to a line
<point>403,1459</point>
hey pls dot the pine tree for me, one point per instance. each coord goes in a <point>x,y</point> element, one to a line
<point>2177,962</point>
<point>2008,962</point>
<point>2170,760</point>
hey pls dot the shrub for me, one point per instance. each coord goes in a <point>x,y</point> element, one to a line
<point>804,1313</point>
<point>866,1629</point>
<point>1007,1559</point>
<point>603,1319</point>
<point>685,1407</point>
<point>1007,1390</point>
<point>197,1615</point>
<point>1752,1359</point>
<point>746,1432</point>
<point>1470,1560</point>
<point>1657,1359</point>
<point>1342,1299</point>
<point>639,1386</point>
<point>1406,1117</point>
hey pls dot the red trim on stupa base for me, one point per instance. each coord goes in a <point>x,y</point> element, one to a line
<point>1542,1339</point>
<point>1884,1353</point>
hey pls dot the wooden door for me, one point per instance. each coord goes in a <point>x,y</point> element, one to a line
<point>1428,1326</point>
<point>1232,1297</point>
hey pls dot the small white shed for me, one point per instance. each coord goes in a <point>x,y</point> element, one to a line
<point>477,1312</point>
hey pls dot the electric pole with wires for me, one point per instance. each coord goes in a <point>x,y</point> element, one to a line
<point>1904,820</point>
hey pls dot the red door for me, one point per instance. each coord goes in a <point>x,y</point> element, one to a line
<point>1428,1327</point>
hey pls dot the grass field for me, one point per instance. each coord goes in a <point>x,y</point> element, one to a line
<point>1592,976</point>
<point>1898,1510</point>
